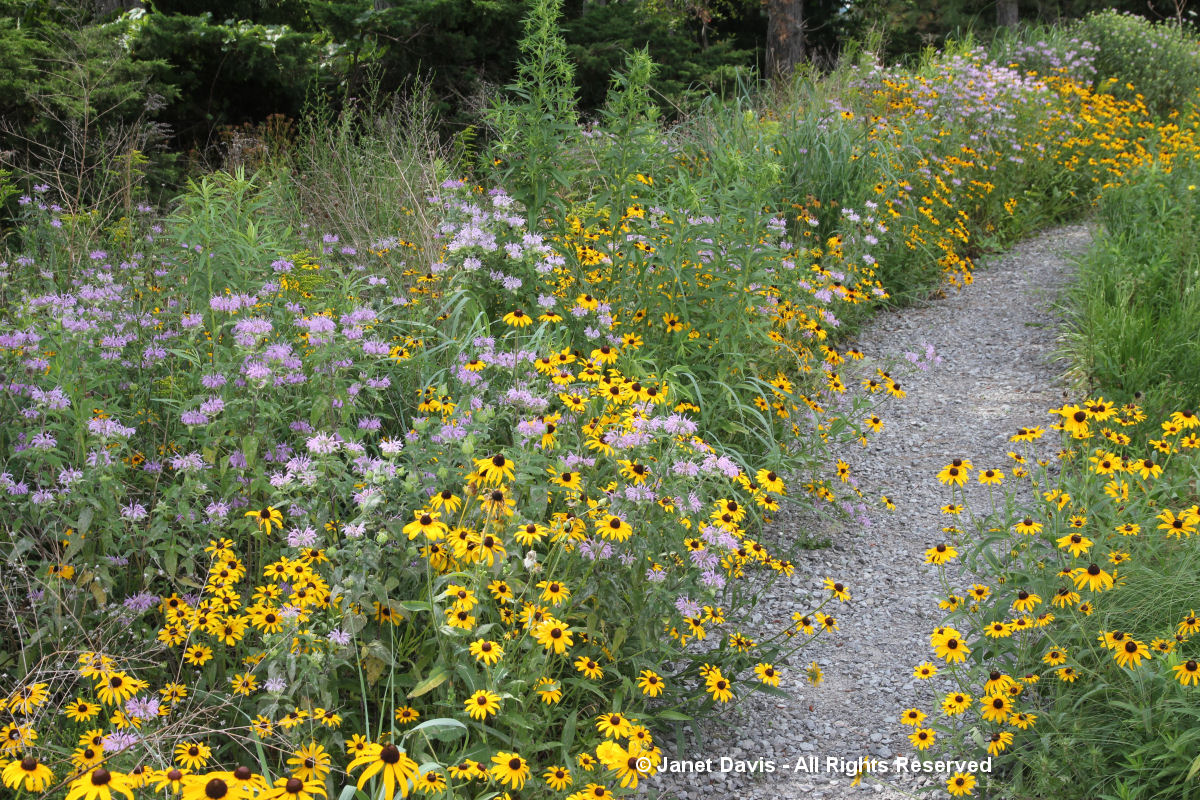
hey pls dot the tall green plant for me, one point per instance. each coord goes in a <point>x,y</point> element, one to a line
<point>631,117</point>
<point>537,119</point>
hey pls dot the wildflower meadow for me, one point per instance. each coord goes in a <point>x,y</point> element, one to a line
<point>388,465</point>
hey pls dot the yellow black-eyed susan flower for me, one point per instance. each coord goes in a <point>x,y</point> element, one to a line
<point>517,319</point>
<point>266,518</point>
<point>510,769</point>
<point>391,764</point>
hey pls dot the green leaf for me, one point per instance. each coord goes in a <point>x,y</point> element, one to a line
<point>568,732</point>
<point>1193,769</point>
<point>250,448</point>
<point>440,727</point>
<point>414,605</point>
<point>436,679</point>
<point>22,546</point>
<point>320,406</point>
<point>675,716</point>
<point>85,521</point>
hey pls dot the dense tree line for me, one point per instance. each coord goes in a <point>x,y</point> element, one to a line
<point>182,77</point>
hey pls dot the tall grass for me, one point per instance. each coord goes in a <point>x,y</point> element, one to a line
<point>368,170</point>
<point>1134,311</point>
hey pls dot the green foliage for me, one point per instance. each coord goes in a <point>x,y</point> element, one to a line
<point>545,74</point>
<point>909,27</point>
<point>1135,307</point>
<point>1159,62</point>
<point>289,347</point>
<point>19,49</point>
<point>629,102</point>
<point>220,217</point>
<point>686,69</point>
<point>229,72</point>
<point>79,117</point>
<point>8,191</point>
<point>379,331</point>
<point>458,46</point>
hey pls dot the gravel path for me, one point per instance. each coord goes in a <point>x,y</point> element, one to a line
<point>995,339</point>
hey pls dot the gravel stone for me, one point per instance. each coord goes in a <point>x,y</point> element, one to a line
<point>996,338</point>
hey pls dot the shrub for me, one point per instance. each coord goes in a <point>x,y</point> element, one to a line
<point>1137,59</point>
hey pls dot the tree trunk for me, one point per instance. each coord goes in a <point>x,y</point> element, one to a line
<point>1006,13</point>
<point>785,36</point>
